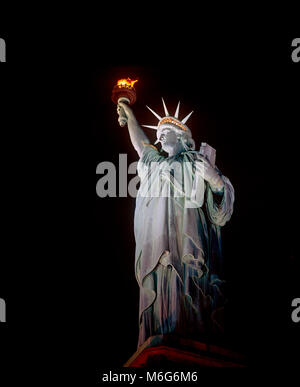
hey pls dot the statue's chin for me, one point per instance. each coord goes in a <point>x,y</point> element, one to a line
<point>168,148</point>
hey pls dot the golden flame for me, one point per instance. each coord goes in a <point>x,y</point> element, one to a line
<point>126,83</point>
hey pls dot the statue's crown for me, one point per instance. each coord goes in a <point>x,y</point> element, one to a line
<point>170,122</point>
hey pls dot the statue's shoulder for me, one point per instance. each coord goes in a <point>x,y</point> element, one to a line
<point>150,154</point>
<point>146,145</point>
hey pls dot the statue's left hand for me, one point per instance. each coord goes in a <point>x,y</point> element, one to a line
<point>209,173</point>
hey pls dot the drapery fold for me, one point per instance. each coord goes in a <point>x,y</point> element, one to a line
<point>178,262</point>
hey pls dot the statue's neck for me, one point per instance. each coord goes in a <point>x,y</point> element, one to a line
<point>176,150</point>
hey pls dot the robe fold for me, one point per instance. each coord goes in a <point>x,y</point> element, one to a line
<point>178,260</point>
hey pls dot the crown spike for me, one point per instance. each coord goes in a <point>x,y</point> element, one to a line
<point>177,110</point>
<point>150,126</point>
<point>187,117</point>
<point>165,108</point>
<point>152,111</point>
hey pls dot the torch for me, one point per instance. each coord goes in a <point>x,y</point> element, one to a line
<point>124,91</point>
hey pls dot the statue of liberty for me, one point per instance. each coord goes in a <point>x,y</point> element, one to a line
<point>182,203</point>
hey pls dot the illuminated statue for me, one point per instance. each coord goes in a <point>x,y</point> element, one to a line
<point>182,202</point>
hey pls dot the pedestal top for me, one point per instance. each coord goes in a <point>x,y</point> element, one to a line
<point>167,351</point>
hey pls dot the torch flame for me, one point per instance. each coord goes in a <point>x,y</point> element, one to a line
<point>126,83</point>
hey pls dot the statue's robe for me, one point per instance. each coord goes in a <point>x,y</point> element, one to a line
<point>178,263</point>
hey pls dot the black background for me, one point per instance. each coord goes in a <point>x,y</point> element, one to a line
<point>68,261</point>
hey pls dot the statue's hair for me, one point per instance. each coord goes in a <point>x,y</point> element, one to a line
<point>187,141</point>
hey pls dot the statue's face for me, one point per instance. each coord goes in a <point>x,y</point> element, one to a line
<point>168,139</point>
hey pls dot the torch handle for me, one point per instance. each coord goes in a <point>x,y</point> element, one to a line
<point>122,115</point>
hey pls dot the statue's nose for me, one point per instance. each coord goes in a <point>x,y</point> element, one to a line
<point>171,136</point>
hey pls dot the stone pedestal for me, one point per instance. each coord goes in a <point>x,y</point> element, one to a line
<point>169,351</point>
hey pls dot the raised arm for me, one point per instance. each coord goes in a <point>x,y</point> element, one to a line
<point>136,133</point>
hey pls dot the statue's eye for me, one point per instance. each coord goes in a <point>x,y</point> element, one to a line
<point>162,137</point>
